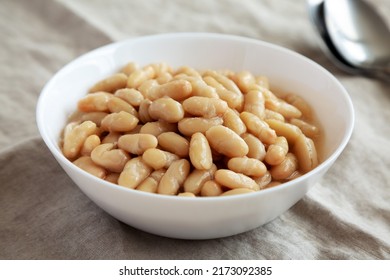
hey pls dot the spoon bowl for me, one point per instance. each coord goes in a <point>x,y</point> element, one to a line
<point>359,33</point>
<point>356,39</point>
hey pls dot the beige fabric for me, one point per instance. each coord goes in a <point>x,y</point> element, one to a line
<point>43,215</point>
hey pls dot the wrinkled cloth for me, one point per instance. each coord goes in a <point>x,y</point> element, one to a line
<point>43,214</point>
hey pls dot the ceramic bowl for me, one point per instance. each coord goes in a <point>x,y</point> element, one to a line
<point>207,217</point>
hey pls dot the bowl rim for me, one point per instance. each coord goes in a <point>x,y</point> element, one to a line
<point>194,35</point>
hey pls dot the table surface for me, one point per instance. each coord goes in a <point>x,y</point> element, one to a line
<point>45,216</point>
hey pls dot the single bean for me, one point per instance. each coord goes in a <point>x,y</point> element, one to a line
<point>268,94</point>
<point>204,106</point>
<point>146,87</point>
<point>110,158</point>
<point>226,141</point>
<point>232,120</point>
<point>116,104</point>
<point>200,88</point>
<point>197,178</point>
<point>234,180</point>
<point>86,164</point>
<point>306,153</point>
<point>291,132</point>
<point>287,167</point>
<point>94,102</point>
<point>137,143</point>
<point>269,114</point>
<point>90,143</point>
<point>211,188</point>
<point>309,130</point>
<point>200,152</point>
<point>174,143</point>
<point>175,89</point>
<point>186,194</point>
<point>110,84</point>
<point>143,111</point>
<point>282,107</point>
<point>174,177</point>
<point>256,147</point>
<point>134,172</point>
<point>258,128</point>
<point>129,68</point>
<point>158,159</point>
<point>166,109</point>
<point>247,166</point>
<point>189,126</point>
<point>164,78</point>
<point>277,152</point>
<point>254,103</point>
<point>74,137</point>
<point>130,95</point>
<point>237,191</point>
<point>157,174</point>
<point>120,122</point>
<point>244,80</point>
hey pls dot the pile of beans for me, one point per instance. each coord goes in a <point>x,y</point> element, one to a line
<point>190,133</point>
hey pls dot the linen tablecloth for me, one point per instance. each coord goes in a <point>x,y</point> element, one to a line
<point>43,214</point>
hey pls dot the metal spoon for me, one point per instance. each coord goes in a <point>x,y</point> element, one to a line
<point>357,39</point>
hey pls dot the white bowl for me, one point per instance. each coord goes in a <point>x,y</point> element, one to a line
<point>209,217</point>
